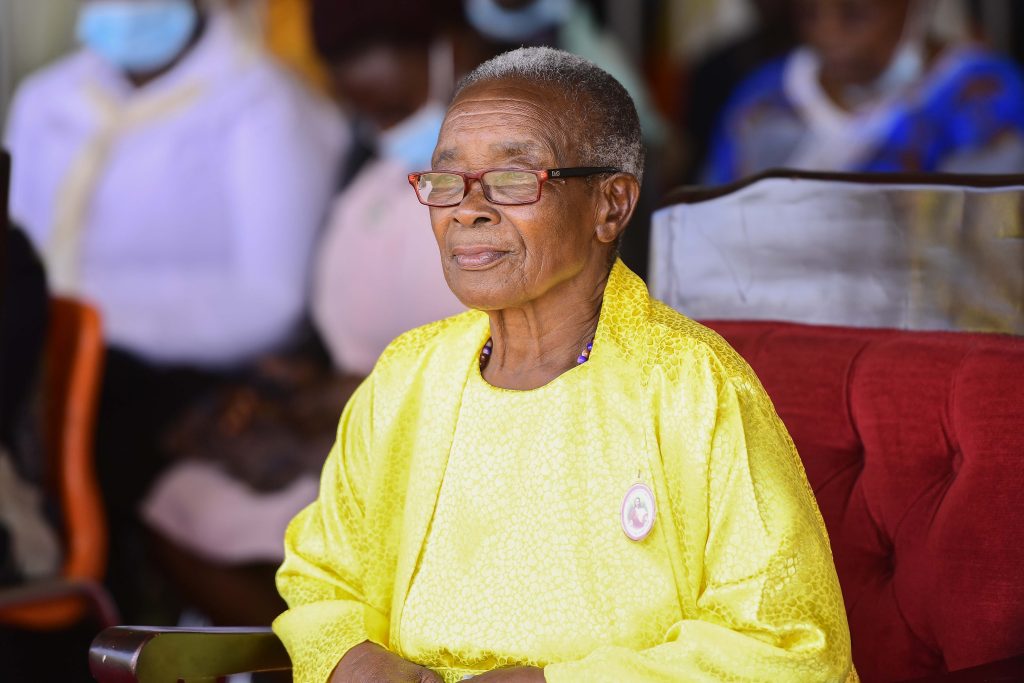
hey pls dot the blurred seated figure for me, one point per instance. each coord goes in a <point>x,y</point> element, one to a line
<point>394,65</point>
<point>28,543</point>
<point>176,178</point>
<point>715,77</point>
<point>871,90</point>
<point>257,450</point>
<point>30,547</point>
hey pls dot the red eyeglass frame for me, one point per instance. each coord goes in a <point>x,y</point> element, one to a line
<point>542,177</point>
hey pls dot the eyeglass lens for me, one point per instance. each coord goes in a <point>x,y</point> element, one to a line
<point>500,187</point>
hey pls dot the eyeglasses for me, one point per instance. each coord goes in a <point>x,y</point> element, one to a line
<point>507,186</point>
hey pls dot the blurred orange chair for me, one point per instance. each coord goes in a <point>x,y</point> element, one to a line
<point>73,371</point>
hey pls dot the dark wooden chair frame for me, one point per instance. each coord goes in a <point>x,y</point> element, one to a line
<point>141,654</point>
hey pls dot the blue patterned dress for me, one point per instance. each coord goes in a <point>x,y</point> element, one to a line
<point>966,115</point>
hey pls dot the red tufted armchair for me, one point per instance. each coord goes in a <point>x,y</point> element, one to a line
<point>914,445</point>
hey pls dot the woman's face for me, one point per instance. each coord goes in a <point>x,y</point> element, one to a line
<point>855,39</point>
<point>496,256</point>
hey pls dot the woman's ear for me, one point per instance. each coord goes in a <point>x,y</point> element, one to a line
<point>616,204</point>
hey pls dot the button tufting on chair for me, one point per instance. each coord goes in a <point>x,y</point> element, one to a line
<point>912,442</point>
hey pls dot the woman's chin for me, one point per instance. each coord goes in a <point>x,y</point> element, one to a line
<point>482,301</point>
<point>483,296</point>
<point>485,288</point>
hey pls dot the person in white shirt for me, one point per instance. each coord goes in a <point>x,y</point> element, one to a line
<point>176,177</point>
<point>186,204</point>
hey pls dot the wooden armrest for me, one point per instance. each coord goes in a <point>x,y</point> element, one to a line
<point>144,654</point>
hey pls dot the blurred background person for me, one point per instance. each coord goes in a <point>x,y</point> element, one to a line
<point>30,549</point>
<point>716,75</point>
<point>394,64</point>
<point>176,178</point>
<point>256,451</point>
<point>870,89</point>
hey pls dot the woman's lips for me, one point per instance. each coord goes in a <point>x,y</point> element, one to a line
<point>477,257</point>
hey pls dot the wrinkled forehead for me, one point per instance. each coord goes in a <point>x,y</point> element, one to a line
<point>505,122</point>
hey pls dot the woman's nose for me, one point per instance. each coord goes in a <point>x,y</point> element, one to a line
<point>474,209</point>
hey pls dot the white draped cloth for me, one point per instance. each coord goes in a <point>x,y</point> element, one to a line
<point>831,252</point>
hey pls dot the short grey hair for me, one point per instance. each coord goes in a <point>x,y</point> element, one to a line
<point>611,135</point>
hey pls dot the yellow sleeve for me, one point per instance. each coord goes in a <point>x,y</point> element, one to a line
<point>321,578</point>
<point>767,604</point>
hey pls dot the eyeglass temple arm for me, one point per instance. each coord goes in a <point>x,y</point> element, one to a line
<point>580,171</point>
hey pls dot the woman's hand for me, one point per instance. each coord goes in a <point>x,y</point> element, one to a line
<point>516,674</point>
<point>370,663</point>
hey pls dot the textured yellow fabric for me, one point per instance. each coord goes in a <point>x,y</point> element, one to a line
<point>467,527</point>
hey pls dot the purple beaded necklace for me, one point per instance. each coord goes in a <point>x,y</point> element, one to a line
<point>485,353</point>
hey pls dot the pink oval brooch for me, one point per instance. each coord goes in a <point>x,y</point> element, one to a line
<point>638,512</point>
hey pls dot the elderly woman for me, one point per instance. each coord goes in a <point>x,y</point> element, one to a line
<point>570,482</point>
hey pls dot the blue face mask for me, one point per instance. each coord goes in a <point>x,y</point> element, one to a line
<point>137,36</point>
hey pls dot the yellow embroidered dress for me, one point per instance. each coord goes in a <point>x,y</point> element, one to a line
<point>467,527</point>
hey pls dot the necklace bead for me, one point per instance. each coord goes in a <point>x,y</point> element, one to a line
<point>585,356</point>
<point>485,353</point>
